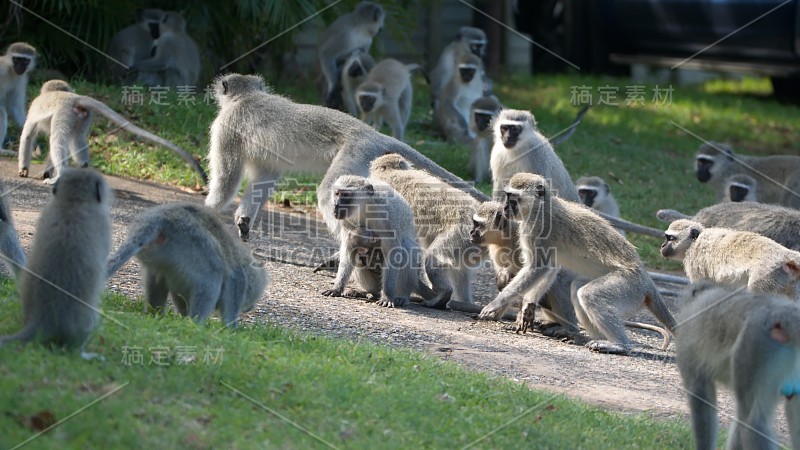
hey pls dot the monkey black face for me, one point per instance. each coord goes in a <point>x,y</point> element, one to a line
<point>587,196</point>
<point>476,48</point>
<point>476,234</point>
<point>482,121</point>
<point>367,102</point>
<point>355,71</point>
<point>738,192</point>
<point>703,168</point>
<point>467,73</point>
<point>509,134</point>
<point>668,246</point>
<point>511,205</point>
<point>155,29</point>
<point>20,64</point>
<point>342,200</point>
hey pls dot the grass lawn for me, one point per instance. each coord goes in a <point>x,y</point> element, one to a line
<point>167,383</point>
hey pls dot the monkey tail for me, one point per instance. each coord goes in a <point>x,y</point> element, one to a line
<point>415,66</point>
<point>630,226</point>
<point>136,241</point>
<point>564,135</point>
<point>656,305</point>
<point>110,114</point>
<point>646,326</point>
<point>26,334</point>
<point>670,215</point>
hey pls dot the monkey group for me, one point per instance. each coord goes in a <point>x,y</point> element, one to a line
<point>408,230</point>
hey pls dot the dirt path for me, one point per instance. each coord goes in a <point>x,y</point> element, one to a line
<point>292,241</point>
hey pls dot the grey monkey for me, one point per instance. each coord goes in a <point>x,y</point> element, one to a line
<point>613,281</point>
<point>442,215</point>
<point>741,188</point>
<point>134,43</point>
<point>386,94</point>
<point>361,203</point>
<point>187,254</point>
<point>732,258</point>
<point>61,295</point>
<point>779,223</point>
<point>263,135</point>
<point>354,71</point>
<point>350,32</point>
<point>467,40</point>
<point>18,61</point>
<point>66,117</point>
<point>481,114</point>
<point>749,343</point>
<point>175,59</point>
<point>451,113</point>
<point>777,176</point>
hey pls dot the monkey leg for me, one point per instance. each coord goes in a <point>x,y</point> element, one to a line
<point>3,125</point>
<point>27,140</point>
<point>203,300</point>
<point>394,121</point>
<point>156,291</point>
<point>600,314</point>
<point>702,396</point>
<point>437,273</point>
<point>226,174</point>
<point>792,409</point>
<point>260,187</point>
<point>530,281</point>
<point>557,307</point>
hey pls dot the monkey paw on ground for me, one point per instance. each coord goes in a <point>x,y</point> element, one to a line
<point>525,318</point>
<point>606,347</point>
<point>332,293</point>
<point>392,302</point>
<point>355,293</point>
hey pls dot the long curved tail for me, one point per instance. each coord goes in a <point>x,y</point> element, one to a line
<point>646,326</point>
<point>656,305</point>
<point>561,138</point>
<point>133,245</point>
<point>110,114</point>
<point>26,334</point>
<point>670,215</point>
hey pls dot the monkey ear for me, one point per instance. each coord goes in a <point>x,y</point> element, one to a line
<point>608,189</point>
<point>540,190</point>
<point>728,154</point>
<point>224,88</point>
<point>693,233</point>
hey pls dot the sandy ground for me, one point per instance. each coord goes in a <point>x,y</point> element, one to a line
<point>292,241</point>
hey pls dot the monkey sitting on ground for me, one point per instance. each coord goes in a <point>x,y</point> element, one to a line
<point>262,135</point>
<point>350,32</point>
<point>732,258</point>
<point>451,114</point>
<point>467,40</point>
<point>175,57</point>
<point>779,223</point>
<point>741,188</point>
<point>482,113</point>
<point>386,93</point>
<point>61,285</point>
<point>15,65</point>
<point>187,254</point>
<point>362,203</point>
<point>596,194</point>
<point>749,343</point>
<point>777,176</point>
<point>354,71</point>
<point>613,282</point>
<point>66,117</point>
<point>134,43</point>
<point>442,215</point>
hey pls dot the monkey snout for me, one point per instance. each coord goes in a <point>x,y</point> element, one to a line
<point>339,213</point>
<point>467,74</point>
<point>587,196</point>
<point>367,103</point>
<point>155,31</point>
<point>20,65</point>
<point>482,121</point>
<point>738,193</point>
<point>703,171</point>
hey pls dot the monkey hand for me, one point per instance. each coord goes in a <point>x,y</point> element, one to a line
<point>23,172</point>
<point>335,292</point>
<point>525,318</point>
<point>494,310</point>
<point>790,388</point>
<point>355,293</point>
<point>392,302</point>
<point>243,223</point>
<point>502,278</point>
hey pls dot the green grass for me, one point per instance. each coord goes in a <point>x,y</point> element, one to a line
<point>637,148</point>
<point>349,394</point>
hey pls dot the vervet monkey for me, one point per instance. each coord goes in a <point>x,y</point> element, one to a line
<point>134,43</point>
<point>732,258</point>
<point>749,343</point>
<point>777,177</point>
<point>187,254</point>
<point>779,223</point>
<point>349,32</point>
<point>451,113</point>
<point>386,93</point>
<point>61,285</point>
<point>613,281</point>
<point>263,135</point>
<point>741,188</point>
<point>520,147</point>
<point>66,117</point>
<point>481,114</point>
<point>492,228</point>
<point>354,71</point>
<point>15,65</point>
<point>442,215</point>
<point>467,40</point>
<point>596,194</point>
<point>362,203</point>
<point>10,248</point>
<point>175,59</point>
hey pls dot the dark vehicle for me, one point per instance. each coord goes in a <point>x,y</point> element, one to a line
<point>753,36</point>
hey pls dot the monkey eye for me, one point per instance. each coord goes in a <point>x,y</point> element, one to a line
<point>336,192</point>
<point>669,237</point>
